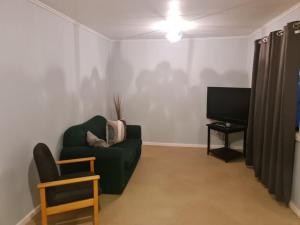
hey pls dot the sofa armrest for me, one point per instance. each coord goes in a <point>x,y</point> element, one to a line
<point>109,164</point>
<point>134,132</point>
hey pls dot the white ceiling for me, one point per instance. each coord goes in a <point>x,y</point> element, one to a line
<point>134,19</point>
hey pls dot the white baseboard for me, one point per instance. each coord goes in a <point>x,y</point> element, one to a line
<point>29,216</point>
<point>184,145</point>
<point>294,208</point>
<point>174,144</point>
<point>179,145</point>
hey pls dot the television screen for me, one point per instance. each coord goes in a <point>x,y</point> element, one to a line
<point>228,104</point>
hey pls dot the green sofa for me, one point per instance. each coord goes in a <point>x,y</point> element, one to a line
<point>115,164</point>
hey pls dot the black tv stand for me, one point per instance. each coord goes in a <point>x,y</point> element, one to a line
<point>226,153</point>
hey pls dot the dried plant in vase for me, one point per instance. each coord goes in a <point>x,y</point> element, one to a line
<point>117,103</point>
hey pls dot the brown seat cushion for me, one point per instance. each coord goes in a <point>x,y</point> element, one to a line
<point>72,192</point>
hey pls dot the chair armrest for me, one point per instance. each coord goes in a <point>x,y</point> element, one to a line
<point>70,161</point>
<point>134,131</point>
<point>78,160</point>
<point>68,181</point>
<point>70,153</point>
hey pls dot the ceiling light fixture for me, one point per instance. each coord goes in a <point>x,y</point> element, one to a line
<point>174,24</point>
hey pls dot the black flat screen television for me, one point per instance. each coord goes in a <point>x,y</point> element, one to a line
<point>228,104</point>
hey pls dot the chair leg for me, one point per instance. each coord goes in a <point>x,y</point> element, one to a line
<point>96,202</point>
<point>43,206</point>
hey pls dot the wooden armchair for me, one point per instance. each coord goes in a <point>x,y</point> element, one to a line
<point>60,194</point>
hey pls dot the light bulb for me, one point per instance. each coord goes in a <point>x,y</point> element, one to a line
<point>174,24</point>
<point>174,36</point>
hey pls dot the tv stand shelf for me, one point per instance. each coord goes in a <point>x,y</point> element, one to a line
<point>226,153</point>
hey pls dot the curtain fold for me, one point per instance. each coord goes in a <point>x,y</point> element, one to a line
<point>259,110</point>
<point>272,115</point>
<point>273,102</point>
<point>249,152</point>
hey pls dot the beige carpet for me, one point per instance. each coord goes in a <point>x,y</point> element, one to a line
<point>184,186</point>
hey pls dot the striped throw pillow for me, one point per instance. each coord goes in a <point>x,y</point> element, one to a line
<point>115,132</point>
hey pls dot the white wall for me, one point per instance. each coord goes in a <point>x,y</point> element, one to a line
<point>277,24</point>
<point>164,85</point>
<point>53,74</point>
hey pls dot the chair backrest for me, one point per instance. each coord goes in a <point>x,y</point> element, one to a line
<point>45,163</point>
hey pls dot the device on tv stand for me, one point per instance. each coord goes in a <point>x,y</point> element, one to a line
<point>223,124</point>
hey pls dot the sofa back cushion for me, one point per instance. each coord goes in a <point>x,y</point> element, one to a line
<point>76,135</point>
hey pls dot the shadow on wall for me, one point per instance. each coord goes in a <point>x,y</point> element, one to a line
<point>58,109</point>
<point>91,86</point>
<point>169,103</point>
<point>158,103</point>
<point>34,112</point>
<point>64,108</point>
<point>171,108</point>
<point>120,78</point>
<point>232,78</point>
<point>41,108</point>
<point>93,95</point>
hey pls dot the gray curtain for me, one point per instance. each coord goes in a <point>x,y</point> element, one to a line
<point>273,106</point>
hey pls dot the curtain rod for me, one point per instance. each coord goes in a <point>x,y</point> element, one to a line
<point>265,39</point>
<point>296,27</point>
<point>280,33</point>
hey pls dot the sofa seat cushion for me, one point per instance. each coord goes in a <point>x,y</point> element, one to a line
<point>131,148</point>
<point>72,192</point>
